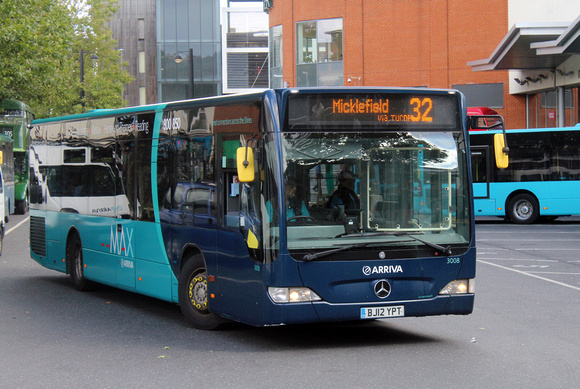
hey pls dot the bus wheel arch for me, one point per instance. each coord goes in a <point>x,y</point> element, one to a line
<point>522,207</point>
<point>193,291</point>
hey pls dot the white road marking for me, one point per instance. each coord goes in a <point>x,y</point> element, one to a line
<point>16,226</point>
<point>530,275</point>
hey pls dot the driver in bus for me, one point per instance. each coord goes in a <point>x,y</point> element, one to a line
<point>344,197</point>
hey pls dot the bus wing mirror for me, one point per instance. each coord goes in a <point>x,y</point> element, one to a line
<point>501,151</point>
<point>35,194</point>
<point>245,163</point>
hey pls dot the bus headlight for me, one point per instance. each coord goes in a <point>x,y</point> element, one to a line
<point>459,287</point>
<point>292,295</point>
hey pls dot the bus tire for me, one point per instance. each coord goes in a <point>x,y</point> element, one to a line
<point>74,257</point>
<point>193,296</point>
<point>21,207</point>
<point>1,239</point>
<point>523,209</point>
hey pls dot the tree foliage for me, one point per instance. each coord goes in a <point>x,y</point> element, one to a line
<point>40,46</point>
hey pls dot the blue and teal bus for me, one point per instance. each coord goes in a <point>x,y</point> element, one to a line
<point>225,205</point>
<point>536,176</point>
<point>15,118</point>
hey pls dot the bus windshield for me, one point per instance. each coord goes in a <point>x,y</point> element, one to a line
<point>374,187</point>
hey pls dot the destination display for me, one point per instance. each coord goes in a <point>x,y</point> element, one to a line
<point>312,111</point>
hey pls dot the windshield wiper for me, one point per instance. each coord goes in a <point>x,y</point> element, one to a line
<point>310,257</point>
<point>444,250</point>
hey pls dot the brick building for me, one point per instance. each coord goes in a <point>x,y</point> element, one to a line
<point>409,43</point>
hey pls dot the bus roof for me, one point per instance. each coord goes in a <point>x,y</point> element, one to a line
<point>96,113</point>
<point>103,112</point>
<point>480,111</point>
<point>528,130</point>
<point>5,138</point>
<point>14,104</point>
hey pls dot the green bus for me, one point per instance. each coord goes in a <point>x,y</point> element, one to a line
<point>15,118</point>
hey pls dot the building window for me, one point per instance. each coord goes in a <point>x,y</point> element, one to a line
<point>142,95</point>
<point>142,62</point>
<point>319,53</point>
<point>276,57</point>
<point>542,109</point>
<point>183,25</point>
<point>244,47</point>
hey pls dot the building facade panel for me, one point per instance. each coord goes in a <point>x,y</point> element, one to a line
<point>407,43</point>
<point>134,27</point>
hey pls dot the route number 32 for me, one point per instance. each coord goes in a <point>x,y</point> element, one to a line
<point>422,109</point>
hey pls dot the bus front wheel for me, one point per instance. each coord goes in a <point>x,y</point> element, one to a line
<point>193,295</point>
<point>523,209</point>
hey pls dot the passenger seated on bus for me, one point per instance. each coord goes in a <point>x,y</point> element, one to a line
<point>296,201</point>
<point>344,197</point>
<point>295,205</point>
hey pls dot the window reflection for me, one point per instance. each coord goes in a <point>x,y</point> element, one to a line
<point>318,44</point>
<point>366,184</point>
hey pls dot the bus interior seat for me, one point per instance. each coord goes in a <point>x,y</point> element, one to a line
<point>374,200</point>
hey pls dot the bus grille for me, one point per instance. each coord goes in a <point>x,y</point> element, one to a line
<point>37,236</point>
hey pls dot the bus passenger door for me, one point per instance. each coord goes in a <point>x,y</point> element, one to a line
<point>240,277</point>
<point>481,171</point>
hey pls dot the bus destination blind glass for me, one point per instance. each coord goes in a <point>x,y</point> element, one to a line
<point>308,111</point>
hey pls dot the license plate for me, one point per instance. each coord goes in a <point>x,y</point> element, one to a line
<point>382,312</point>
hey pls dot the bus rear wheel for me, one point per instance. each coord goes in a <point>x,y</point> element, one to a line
<point>523,209</point>
<point>74,258</point>
<point>21,206</point>
<point>193,295</point>
<point>1,239</point>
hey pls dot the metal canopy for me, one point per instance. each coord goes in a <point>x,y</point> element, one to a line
<point>515,51</point>
<point>567,43</point>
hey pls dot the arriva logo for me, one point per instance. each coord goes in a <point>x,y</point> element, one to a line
<point>367,270</point>
<point>121,241</point>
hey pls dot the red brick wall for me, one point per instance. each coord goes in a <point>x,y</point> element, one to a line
<point>409,42</point>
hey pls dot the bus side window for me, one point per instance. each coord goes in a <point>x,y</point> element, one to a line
<point>103,182</point>
<point>479,165</point>
<point>232,203</point>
